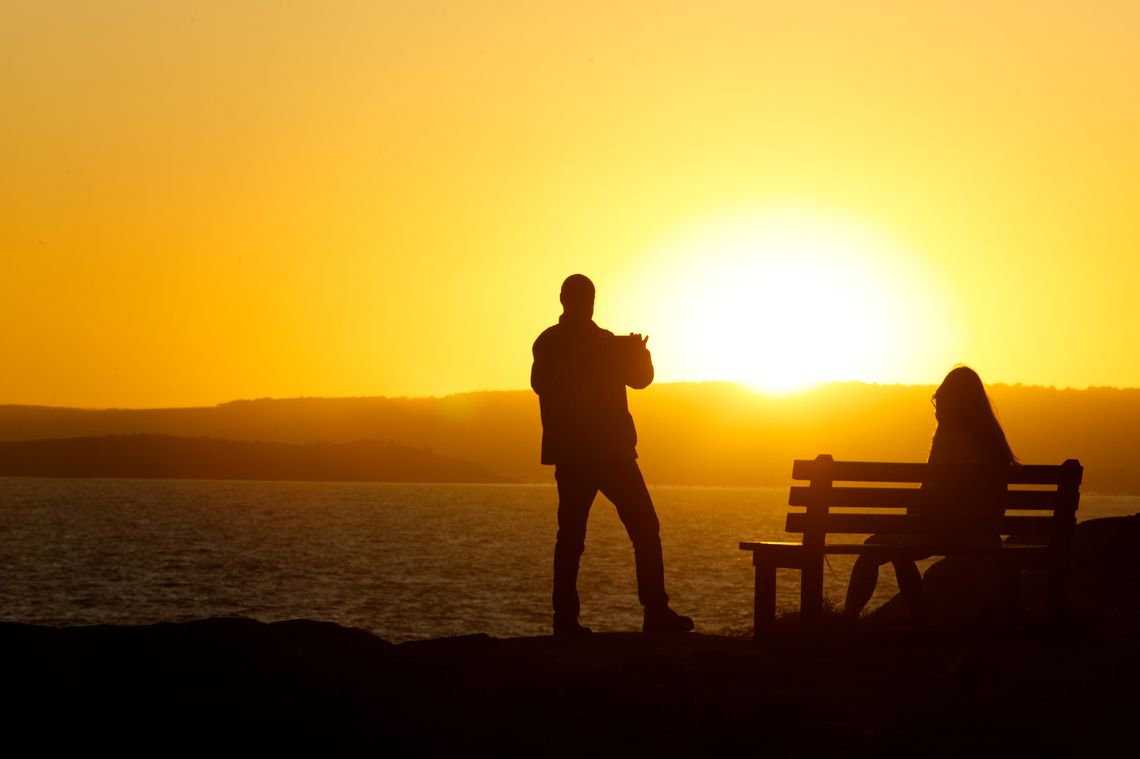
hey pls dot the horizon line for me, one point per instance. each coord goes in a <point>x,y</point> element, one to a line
<point>815,387</point>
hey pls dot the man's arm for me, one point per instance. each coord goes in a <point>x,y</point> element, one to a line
<point>541,378</point>
<point>541,375</point>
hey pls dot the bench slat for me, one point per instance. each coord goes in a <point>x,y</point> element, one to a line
<point>884,471</point>
<point>792,555</point>
<point>858,471</point>
<point>901,498</point>
<point>885,498</point>
<point>902,524</point>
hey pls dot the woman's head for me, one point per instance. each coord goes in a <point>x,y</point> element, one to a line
<point>961,398</point>
<point>961,401</point>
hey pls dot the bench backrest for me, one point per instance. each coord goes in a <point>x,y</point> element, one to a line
<point>863,497</point>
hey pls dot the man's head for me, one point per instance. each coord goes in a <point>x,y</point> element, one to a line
<point>577,296</point>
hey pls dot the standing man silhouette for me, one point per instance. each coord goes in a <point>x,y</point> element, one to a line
<point>580,373</point>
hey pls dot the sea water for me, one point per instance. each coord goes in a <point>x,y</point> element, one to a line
<point>405,561</point>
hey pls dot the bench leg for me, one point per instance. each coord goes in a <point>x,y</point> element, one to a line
<point>811,590</point>
<point>1010,578</point>
<point>1058,582</point>
<point>764,609</point>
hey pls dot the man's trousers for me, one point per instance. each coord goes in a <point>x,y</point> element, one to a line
<point>621,482</point>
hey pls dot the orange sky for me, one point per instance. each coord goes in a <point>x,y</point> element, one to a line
<point>208,201</point>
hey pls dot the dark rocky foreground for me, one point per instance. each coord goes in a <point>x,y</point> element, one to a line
<point>1042,686</point>
<point>230,685</point>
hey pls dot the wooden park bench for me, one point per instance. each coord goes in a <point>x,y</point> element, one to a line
<point>856,498</point>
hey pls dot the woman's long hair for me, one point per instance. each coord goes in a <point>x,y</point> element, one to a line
<point>961,402</point>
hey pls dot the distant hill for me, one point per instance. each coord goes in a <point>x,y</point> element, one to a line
<point>689,433</point>
<point>163,456</point>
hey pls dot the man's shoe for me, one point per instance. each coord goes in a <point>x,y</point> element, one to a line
<point>569,628</point>
<point>664,620</point>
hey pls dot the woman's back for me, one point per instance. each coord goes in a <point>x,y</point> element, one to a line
<point>969,455</point>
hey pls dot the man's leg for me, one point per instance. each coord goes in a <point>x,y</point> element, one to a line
<point>623,484</point>
<point>576,492</point>
<point>861,586</point>
<point>910,585</point>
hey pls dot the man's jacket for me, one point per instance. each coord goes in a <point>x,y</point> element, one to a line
<point>580,373</point>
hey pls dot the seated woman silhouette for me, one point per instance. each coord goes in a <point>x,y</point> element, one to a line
<point>967,434</point>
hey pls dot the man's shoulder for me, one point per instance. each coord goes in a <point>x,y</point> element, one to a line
<point>547,335</point>
<point>561,331</point>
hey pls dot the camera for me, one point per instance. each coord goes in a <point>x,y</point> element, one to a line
<point>632,340</point>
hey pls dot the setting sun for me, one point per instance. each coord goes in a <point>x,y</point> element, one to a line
<point>380,200</point>
<point>783,299</point>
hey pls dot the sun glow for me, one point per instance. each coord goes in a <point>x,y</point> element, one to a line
<point>783,300</point>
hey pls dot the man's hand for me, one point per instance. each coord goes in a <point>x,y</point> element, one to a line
<point>639,366</point>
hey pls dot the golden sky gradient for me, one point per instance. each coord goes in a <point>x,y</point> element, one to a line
<point>203,201</point>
